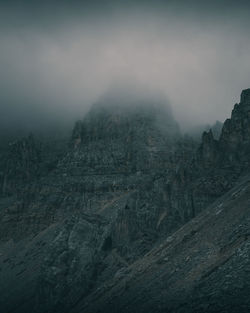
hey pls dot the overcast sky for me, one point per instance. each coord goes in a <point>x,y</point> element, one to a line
<point>58,57</point>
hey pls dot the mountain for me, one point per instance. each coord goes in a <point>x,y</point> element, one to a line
<point>74,217</point>
<point>202,267</point>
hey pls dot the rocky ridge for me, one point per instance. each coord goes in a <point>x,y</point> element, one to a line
<point>202,267</point>
<point>126,182</point>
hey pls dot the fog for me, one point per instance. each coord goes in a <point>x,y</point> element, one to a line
<point>57,58</point>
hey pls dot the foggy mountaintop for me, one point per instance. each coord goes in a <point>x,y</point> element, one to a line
<point>57,58</point>
<point>124,156</point>
<point>128,93</point>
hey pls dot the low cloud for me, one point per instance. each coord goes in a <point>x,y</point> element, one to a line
<point>54,66</point>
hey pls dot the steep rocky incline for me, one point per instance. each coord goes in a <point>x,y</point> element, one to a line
<point>104,200</point>
<point>203,267</point>
<point>234,140</point>
<point>72,218</point>
<point>219,163</point>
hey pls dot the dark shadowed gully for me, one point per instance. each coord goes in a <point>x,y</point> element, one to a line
<point>128,215</point>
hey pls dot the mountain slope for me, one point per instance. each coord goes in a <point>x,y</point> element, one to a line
<point>100,207</point>
<point>73,218</point>
<point>203,267</point>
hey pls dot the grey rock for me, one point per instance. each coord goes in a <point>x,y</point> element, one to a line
<point>76,220</point>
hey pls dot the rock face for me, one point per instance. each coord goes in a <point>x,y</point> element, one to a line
<point>219,163</point>
<point>236,133</point>
<point>22,164</point>
<point>73,218</point>
<point>203,267</point>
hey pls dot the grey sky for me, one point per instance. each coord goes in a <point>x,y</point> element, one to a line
<point>56,58</point>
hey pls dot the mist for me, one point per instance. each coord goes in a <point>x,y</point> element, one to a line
<point>57,58</point>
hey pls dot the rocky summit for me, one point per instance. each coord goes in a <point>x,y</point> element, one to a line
<point>128,216</point>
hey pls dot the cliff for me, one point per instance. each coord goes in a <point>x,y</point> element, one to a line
<point>127,181</point>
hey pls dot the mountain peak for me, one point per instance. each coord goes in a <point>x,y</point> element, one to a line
<point>245,96</point>
<point>122,111</point>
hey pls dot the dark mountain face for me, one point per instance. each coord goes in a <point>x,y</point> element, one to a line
<point>236,132</point>
<point>74,217</point>
<point>127,137</point>
<point>202,267</point>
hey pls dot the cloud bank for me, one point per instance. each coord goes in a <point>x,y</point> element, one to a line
<point>57,58</point>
